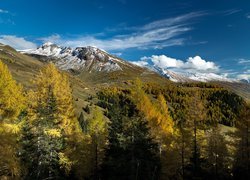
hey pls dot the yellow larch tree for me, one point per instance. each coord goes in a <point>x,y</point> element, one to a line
<point>11,103</point>
<point>52,100</point>
<point>156,112</point>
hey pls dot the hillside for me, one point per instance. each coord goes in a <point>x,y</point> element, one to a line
<point>121,109</point>
<point>85,81</point>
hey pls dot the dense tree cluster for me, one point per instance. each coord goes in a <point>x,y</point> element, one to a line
<point>141,131</point>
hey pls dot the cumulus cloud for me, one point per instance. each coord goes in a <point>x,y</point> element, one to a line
<point>163,61</point>
<point>156,35</point>
<point>192,63</point>
<point>18,43</point>
<point>200,64</point>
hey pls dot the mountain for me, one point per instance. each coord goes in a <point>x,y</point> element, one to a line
<point>86,79</point>
<point>175,77</point>
<point>92,59</point>
<point>245,81</point>
<point>91,68</point>
<point>78,59</point>
<point>240,87</point>
<point>91,64</point>
<point>192,76</point>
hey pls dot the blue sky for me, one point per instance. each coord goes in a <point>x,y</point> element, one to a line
<point>163,32</point>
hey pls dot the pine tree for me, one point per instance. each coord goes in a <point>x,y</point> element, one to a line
<point>131,153</point>
<point>217,155</point>
<point>242,157</point>
<point>83,123</point>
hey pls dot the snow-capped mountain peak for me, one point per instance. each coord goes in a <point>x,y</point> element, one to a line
<point>193,76</point>
<point>80,58</point>
<point>189,76</point>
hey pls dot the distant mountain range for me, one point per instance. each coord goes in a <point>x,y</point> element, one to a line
<point>193,76</point>
<point>92,59</point>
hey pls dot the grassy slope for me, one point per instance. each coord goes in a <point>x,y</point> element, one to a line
<point>24,68</point>
<point>241,89</point>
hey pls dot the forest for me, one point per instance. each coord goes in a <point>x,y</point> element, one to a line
<point>142,131</point>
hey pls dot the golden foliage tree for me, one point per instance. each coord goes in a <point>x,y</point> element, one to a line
<point>11,104</point>
<point>11,97</point>
<point>52,97</point>
<point>98,131</point>
<point>156,112</point>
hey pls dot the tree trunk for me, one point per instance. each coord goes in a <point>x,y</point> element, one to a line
<point>195,148</point>
<point>182,155</point>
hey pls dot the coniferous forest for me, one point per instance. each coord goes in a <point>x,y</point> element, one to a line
<point>140,131</point>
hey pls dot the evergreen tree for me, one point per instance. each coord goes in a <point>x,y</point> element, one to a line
<point>83,123</point>
<point>131,153</point>
<point>196,118</point>
<point>217,156</point>
<point>47,139</point>
<point>241,169</point>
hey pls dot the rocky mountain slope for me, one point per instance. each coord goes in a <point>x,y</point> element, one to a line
<point>80,58</point>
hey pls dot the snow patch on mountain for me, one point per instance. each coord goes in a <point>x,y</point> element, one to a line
<point>87,58</point>
<point>194,76</point>
<point>192,69</point>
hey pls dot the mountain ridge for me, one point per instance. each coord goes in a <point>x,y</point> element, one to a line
<point>91,58</point>
<point>80,58</point>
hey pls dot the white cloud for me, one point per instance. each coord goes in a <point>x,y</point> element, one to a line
<point>17,42</point>
<point>244,61</point>
<point>243,76</point>
<point>140,63</point>
<point>163,61</point>
<point>145,58</point>
<point>151,39</point>
<point>117,53</point>
<point>156,35</point>
<point>200,64</point>
<point>231,11</point>
<point>4,11</point>
<point>53,38</point>
<point>192,63</point>
<point>172,21</point>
